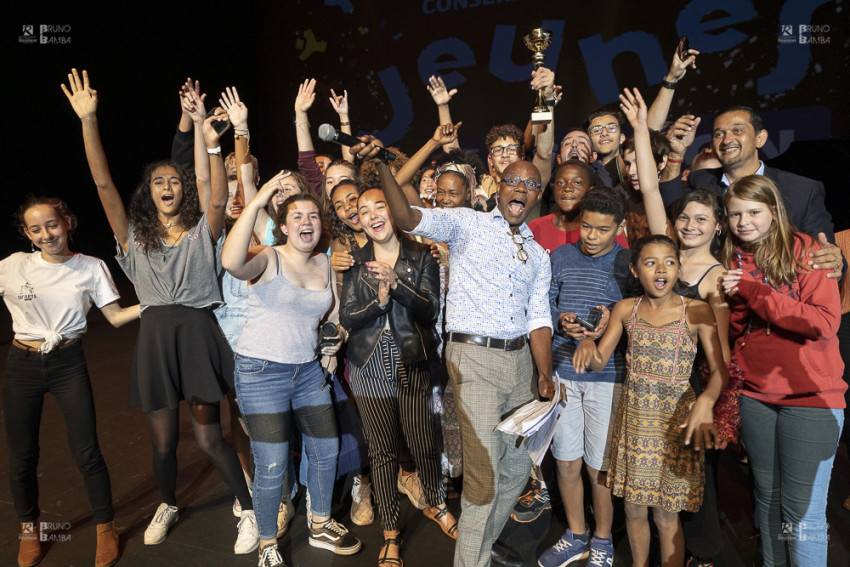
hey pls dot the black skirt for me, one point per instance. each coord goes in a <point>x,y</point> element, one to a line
<point>181,354</point>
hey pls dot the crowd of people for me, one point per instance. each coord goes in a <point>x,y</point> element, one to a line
<point>676,308</point>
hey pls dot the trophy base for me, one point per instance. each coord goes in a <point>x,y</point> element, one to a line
<point>541,117</point>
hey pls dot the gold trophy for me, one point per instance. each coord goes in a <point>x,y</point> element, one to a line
<point>537,41</point>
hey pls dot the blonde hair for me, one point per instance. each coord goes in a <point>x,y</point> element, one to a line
<point>774,253</point>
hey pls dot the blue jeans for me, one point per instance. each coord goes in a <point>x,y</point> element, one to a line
<point>267,392</point>
<point>791,450</point>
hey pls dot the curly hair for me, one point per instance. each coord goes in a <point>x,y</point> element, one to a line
<point>283,211</point>
<point>147,228</point>
<point>341,231</point>
<point>468,157</point>
<point>60,206</point>
<point>369,172</point>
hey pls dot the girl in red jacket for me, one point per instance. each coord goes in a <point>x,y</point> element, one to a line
<point>784,318</point>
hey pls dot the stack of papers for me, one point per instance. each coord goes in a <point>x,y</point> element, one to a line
<point>536,421</point>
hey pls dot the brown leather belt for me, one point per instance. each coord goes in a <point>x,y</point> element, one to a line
<point>65,343</point>
<point>488,342</point>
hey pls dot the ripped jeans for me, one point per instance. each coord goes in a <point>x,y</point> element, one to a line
<point>267,392</point>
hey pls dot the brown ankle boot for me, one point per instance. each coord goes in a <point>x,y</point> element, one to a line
<point>107,545</point>
<point>29,552</point>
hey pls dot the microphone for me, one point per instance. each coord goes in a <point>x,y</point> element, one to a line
<point>330,134</point>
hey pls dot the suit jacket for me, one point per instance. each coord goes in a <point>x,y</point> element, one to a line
<point>804,198</point>
<point>411,312</point>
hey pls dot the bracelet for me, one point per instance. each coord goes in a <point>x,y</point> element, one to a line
<point>214,151</point>
<point>669,84</point>
<point>346,123</point>
<point>240,132</point>
<point>305,123</point>
<point>673,160</point>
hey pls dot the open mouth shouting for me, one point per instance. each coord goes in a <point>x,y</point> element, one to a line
<point>307,234</point>
<point>660,282</point>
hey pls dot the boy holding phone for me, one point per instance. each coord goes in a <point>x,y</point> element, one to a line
<point>584,282</point>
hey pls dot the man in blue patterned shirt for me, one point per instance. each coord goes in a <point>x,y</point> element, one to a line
<point>498,296</point>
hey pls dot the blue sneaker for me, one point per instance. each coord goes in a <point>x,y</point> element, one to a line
<point>568,550</point>
<point>601,553</point>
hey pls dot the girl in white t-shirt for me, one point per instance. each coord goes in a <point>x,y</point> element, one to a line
<point>48,293</point>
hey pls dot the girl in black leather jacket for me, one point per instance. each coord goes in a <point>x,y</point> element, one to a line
<point>389,308</point>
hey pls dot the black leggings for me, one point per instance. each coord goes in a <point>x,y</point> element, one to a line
<point>206,422</point>
<point>63,373</point>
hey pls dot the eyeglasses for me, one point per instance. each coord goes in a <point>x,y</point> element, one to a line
<point>611,127</point>
<point>511,150</point>
<point>519,239</point>
<point>513,180</point>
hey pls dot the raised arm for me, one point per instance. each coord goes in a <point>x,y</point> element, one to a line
<point>234,256</point>
<point>543,78</point>
<point>441,97</point>
<point>182,146</point>
<point>303,101</point>
<point>634,108</point>
<point>443,136</point>
<point>250,192</point>
<point>218,176</point>
<point>661,105</point>
<point>340,105</point>
<point>83,100</point>
<point>194,107</point>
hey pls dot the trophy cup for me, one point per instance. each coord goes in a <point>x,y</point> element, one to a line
<point>537,41</point>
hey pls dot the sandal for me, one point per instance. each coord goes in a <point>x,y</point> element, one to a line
<point>434,513</point>
<point>384,559</point>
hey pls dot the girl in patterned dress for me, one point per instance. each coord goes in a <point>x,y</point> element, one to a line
<point>652,464</point>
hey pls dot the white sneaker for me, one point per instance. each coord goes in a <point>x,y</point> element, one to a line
<point>237,506</point>
<point>411,485</point>
<point>270,556</point>
<point>165,517</point>
<point>285,512</point>
<point>361,502</point>
<point>249,535</point>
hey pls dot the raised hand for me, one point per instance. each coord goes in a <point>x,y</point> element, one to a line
<point>446,133</point>
<point>211,136</point>
<point>368,148</point>
<point>681,133</point>
<point>543,78</point>
<point>339,103</point>
<point>306,95</point>
<point>193,105</point>
<point>438,90</point>
<point>236,109</point>
<point>82,97</point>
<point>678,67</point>
<point>190,86</point>
<point>271,188</point>
<point>633,107</point>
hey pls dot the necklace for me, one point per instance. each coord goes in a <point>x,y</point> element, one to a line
<point>165,249</point>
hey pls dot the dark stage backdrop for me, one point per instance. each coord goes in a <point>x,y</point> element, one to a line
<point>787,59</point>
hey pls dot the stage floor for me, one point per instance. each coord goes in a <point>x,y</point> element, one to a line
<point>207,529</point>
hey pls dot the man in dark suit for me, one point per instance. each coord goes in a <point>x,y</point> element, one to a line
<point>737,135</point>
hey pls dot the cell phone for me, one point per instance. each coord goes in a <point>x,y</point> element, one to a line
<point>592,319</point>
<point>683,48</point>
<point>220,126</point>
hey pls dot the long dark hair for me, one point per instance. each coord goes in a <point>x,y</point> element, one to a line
<point>147,228</point>
<point>339,230</point>
<point>712,201</point>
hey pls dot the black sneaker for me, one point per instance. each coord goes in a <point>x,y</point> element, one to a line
<point>531,504</point>
<point>333,536</point>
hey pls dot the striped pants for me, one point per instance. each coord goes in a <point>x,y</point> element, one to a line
<point>395,399</point>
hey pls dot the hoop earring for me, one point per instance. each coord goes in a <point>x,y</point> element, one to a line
<point>32,246</point>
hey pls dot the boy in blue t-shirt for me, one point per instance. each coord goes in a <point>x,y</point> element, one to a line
<point>584,277</point>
